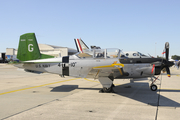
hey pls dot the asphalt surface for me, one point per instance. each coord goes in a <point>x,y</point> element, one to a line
<point>29,96</point>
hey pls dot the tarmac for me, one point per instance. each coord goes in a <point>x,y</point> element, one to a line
<point>29,96</point>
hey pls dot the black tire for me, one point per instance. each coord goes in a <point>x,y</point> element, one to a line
<point>153,87</point>
<point>107,90</point>
<point>101,91</point>
<point>112,85</point>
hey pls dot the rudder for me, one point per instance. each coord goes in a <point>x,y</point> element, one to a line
<point>28,47</point>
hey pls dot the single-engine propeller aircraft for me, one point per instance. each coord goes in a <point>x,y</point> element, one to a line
<point>102,64</point>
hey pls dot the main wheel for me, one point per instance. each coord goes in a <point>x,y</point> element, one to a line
<point>153,87</point>
<point>108,90</point>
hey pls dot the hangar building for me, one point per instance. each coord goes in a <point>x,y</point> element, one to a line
<point>55,51</point>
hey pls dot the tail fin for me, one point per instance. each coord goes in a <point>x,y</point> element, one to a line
<point>28,48</point>
<point>80,45</point>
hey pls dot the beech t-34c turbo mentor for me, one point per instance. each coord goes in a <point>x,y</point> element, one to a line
<point>102,64</point>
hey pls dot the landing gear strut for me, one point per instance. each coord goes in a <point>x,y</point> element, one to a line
<point>153,87</point>
<point>107,83</point>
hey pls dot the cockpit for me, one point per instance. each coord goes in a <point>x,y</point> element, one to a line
<point>99,53</point>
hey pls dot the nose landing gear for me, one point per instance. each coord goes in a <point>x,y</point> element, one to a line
<point>153,87</point>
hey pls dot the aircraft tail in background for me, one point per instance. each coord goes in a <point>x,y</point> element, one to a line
<point>28,48</point>
<point>80,45</point>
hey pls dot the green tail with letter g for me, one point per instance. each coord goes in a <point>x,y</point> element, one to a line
<point>28,48</point>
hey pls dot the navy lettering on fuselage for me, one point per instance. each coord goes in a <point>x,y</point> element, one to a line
<point>42,65</point>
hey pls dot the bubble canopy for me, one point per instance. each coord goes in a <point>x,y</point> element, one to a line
<point>100,53</point>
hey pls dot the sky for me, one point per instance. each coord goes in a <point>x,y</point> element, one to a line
<point>130,25</point>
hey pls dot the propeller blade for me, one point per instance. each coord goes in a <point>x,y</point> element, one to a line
<point>166,62</point>
<point>167,50</point>
<point>168,72</point>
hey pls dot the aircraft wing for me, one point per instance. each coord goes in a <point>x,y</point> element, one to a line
<point>105,71</point>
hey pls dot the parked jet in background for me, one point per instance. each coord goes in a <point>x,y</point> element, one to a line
<point>102,64</point>
<point>135,54</point>
<point>81,46</point>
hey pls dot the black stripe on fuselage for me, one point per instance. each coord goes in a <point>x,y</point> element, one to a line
<point>139,60</point>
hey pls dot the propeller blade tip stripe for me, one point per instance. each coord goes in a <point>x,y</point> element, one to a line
<point>168,75</point>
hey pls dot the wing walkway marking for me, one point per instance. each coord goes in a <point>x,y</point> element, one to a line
<point>38,86</point>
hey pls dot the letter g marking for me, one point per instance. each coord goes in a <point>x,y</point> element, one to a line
<point>30,49</point>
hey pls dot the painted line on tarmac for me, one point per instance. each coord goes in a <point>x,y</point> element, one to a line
<point>169,89</point>
<point>91,80</point>
<point>38,86</point>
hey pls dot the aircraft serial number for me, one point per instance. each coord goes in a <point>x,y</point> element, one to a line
<point>73,64</point>
<point>42,65</point>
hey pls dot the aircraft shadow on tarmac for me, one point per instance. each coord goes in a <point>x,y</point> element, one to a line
<point>68,88</point>
<point>64,88</point>
<point>135,91</point>
<point>141,92</point>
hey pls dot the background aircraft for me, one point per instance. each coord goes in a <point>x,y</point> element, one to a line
<point>81,46</point>
<point>135,54</point>
<point>102,64</point>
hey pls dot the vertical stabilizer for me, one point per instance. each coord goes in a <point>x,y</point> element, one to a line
<point>80,45</point>
<point>28,47</point>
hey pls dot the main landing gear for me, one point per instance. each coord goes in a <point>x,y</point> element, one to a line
<point>107,83</point>
<point>107,90</point>
<point>153,87</point>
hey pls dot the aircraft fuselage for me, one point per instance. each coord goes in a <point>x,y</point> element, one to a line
<point>68,66</point>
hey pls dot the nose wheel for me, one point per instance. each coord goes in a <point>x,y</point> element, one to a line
<point>153,87</point>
